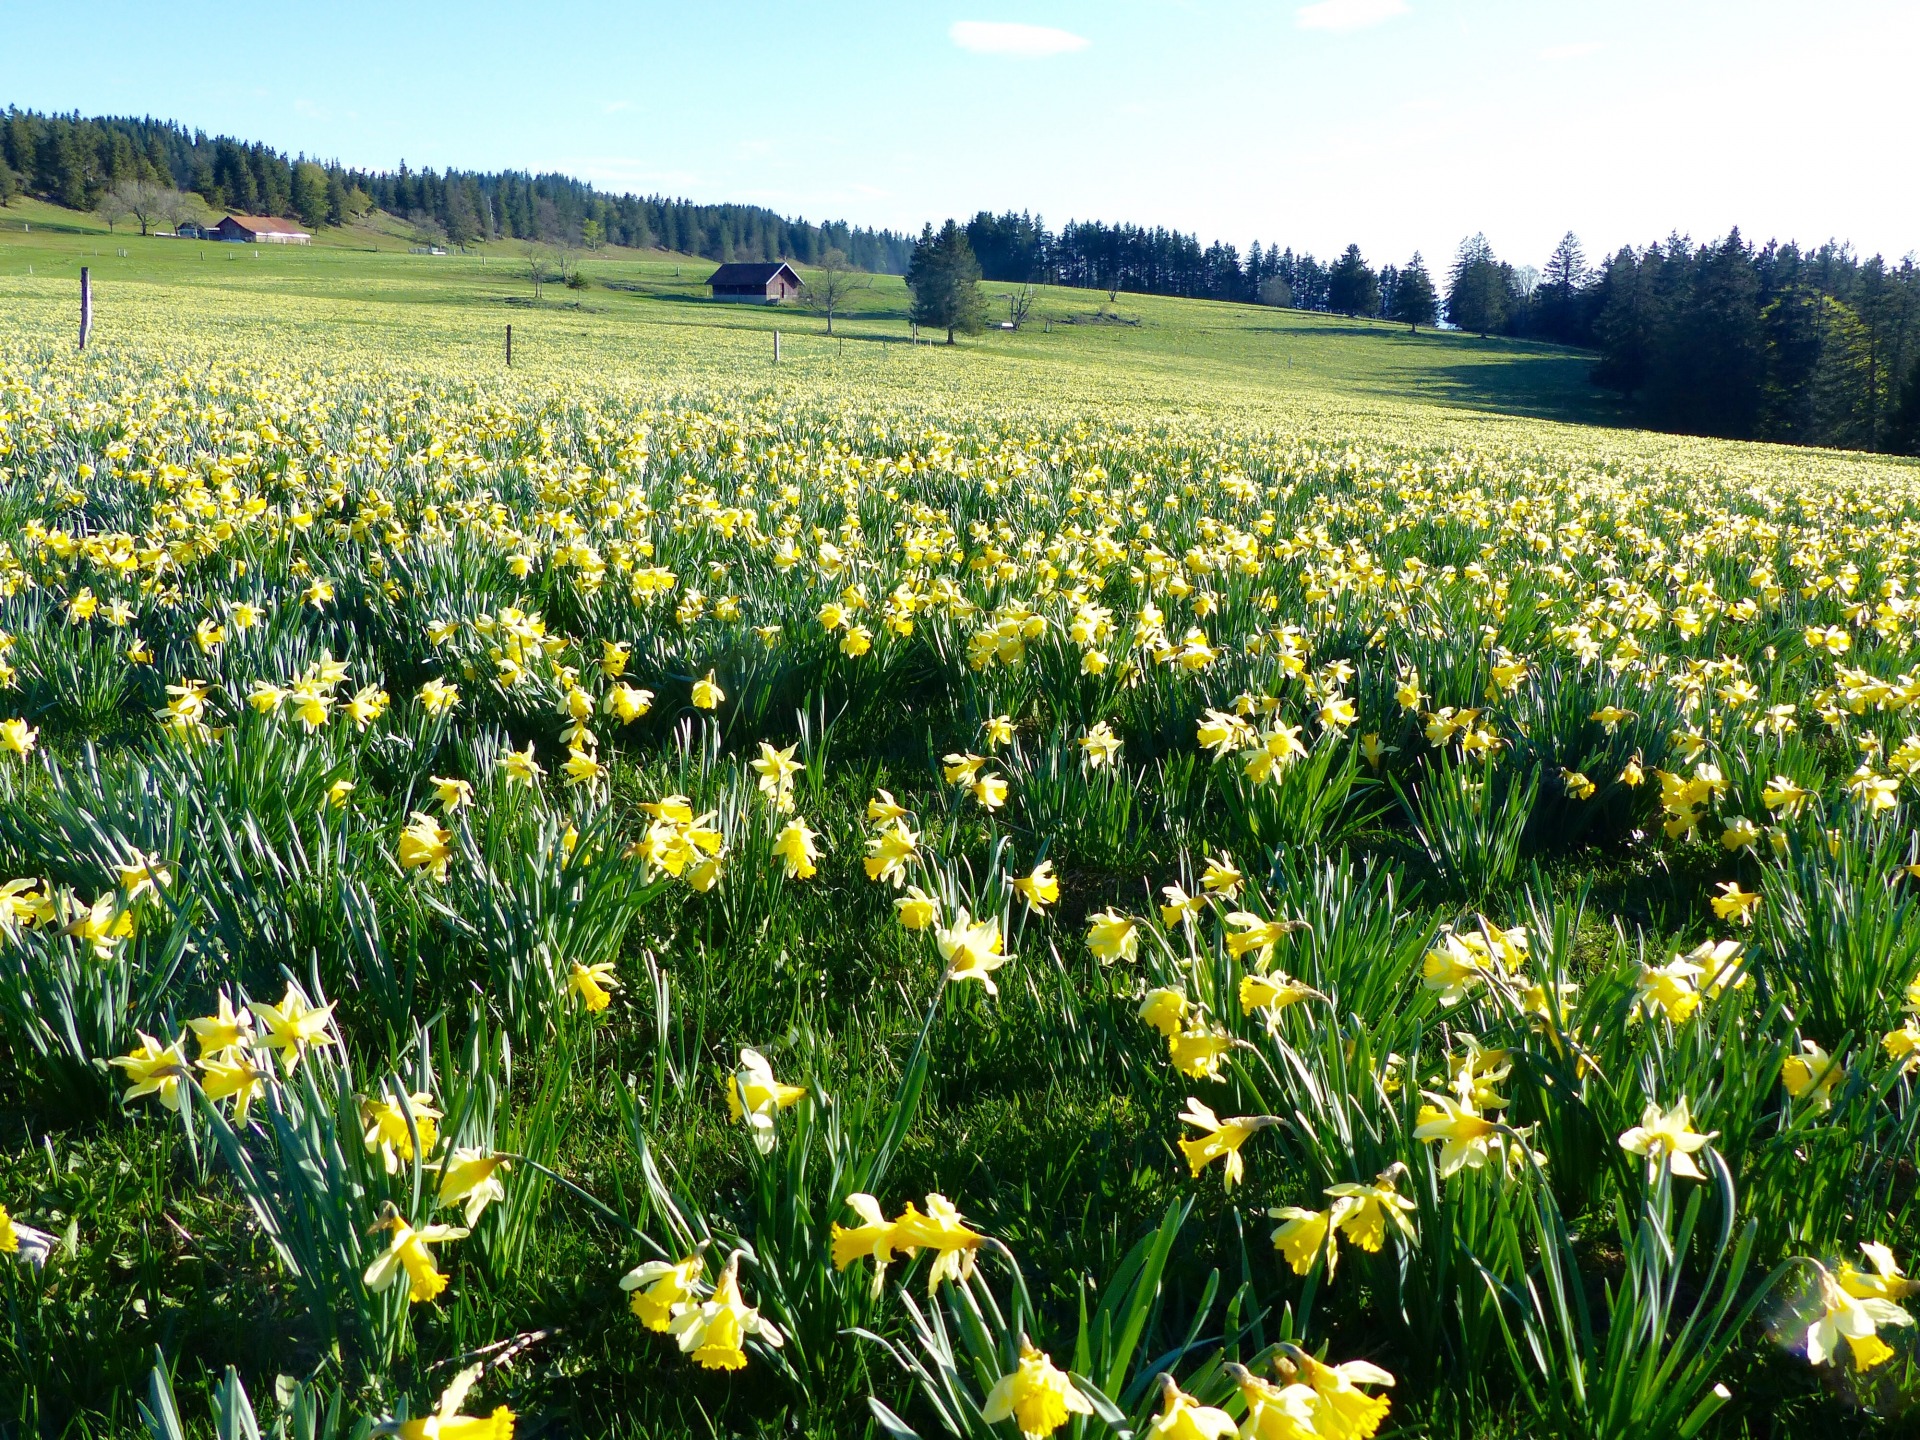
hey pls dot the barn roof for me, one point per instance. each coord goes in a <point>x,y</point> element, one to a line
<point>265,224</point>
<point>751,272</point>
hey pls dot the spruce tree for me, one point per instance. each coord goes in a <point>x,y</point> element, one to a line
<point>1477,289</point>
<point>944,279</point>
<point>1414,301</point>
<point>1352,287</point>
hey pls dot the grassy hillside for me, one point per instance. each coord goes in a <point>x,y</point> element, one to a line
<point>1175,352</point>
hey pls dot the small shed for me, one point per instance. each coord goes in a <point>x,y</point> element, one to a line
<point>760,282</point>
<point>258,230</point>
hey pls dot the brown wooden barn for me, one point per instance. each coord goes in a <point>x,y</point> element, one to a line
<point>759,282</point>
<point>257,230</point>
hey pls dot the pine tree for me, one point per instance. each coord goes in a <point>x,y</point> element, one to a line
<point>1352,287</point>
<point>1414,301</point>
<point>944,279</point>
<point>1476,288</point>
<point>1560,288</point>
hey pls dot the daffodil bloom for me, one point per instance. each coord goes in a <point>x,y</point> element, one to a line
<point>776,769</point>
<point>1667,1136</point>
<point>407,1255</point>
<point>794,845</point>
<point>1337,714</point>
<point>1366,1210</point>
<point>917,909</point>
<point>450,795</point>
<point>1783,797</point>
<point>1466,1138</point>
<point>942,1230</point>
<point>226,1029</point>
<point>293,1026</point>
<point>707,695</point>
<point>753,1095</point>
<point>1903,1044</point>
<point>1197,1053</point>
<point>960,770</point>
<point>1219,1139</point>
<point>1812,1075</point>
<point>1180,908</point>
<point>233,1076</point>
<point>581,768</point>
<point>387,1132</point>
<point>1165,1010</point>
<point>997,730</point>
<point>990,792</point>
<point>1182,1417</point>
<point>1457,966</point>
<point>102,925</point>
<point>1274,1412</point>
<point>715,1331</point>
<point>470,1177</point>
<point>1223,734</point>
<point>338,793</point>
<point>1268,995</point>
<point>1303,1236</point>
<point>18,738</point>
<point>1345,1410</point>
<point>439,698</point>
<point>627,704</point>
<point>972,951</point>
<point>1099,745</point>
<point>1112,936</point>
<point>883,809</point>
<point>1253,935</point>
<point>426,845</point>
<point>594,984</point>
<point>1036,1395</point>
<point>1040,888</point>
<point>1719,965</point>
<point>1669,989</point>
<point>661,1289</point>
<point>1221,877</point>
<point>447,1423</point>
<point>1577,785</point>
<point>872,1239</point>
<point>1883,1282</point>
<point>1735,904</point>
<point>890,851</point>
<point>520,768</point>
<point>1855,1320</point>
<point>154,1069</point>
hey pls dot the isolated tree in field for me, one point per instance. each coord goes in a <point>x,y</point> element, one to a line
<point>111,207</point>
<point>142,200</point>
<point>1477,289</point>
<point>1414,302</point>
<point>1352,287</point>
<point>1020,305</point>
<point>1274,290</point>
<point>536,258</point>
<point>944,279</point>
<point>833,284</point>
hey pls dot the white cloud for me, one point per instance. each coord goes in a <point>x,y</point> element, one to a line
<point>1348,14</point>
<point>1575,51</point>
<point>614,107</point>
<point>1004,37</point>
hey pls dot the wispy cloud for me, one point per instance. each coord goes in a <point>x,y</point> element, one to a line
<point>614,107</point>
<point>1005,37</point>
<point>1348,14</point>
<point>1574,51</point>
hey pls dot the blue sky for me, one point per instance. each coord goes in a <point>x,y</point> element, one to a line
<point>1399,124</point>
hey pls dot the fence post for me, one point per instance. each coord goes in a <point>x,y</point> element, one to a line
<point>776,347</point>
<point>86,306</point>
<point>509,347</point>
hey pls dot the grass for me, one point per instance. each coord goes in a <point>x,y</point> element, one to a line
<point>1189,353</point>
<point>1141,525</point>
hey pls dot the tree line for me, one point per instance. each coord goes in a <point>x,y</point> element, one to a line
<point>1771,342</point>
<point>82,162</point>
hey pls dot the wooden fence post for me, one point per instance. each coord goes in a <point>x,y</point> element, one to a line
<point>776,347</point>
<point>86,306</point>
<point>509,347</point>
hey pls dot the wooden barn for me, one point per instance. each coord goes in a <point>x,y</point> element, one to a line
<point>760,282</point>
<point>258,230</point>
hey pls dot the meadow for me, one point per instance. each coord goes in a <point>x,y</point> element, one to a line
<point>1187,871</point>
